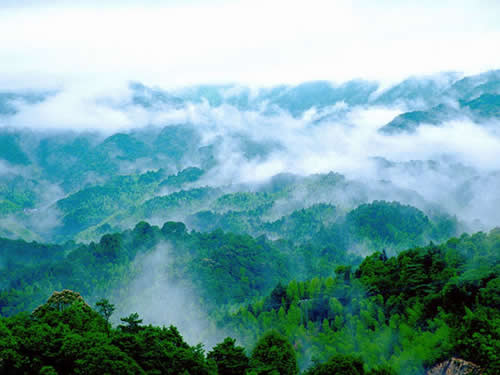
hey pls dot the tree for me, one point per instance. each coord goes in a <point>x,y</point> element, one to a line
<point>382,370</point>
<point>60,301</point>
<point>106,309</point>
<point>344,272</point>
<point>229,358</point>
<point>339,364</point>
<point>277,295</point>
<point>274,354</point>
<point>133,323</point>
<point>106,359</point>
<point>48,370</point>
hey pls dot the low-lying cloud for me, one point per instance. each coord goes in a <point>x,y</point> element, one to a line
<point>338,137</point>
<point>159,300</point>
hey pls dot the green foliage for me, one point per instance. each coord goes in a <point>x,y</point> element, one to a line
<point>302,225</point>
<point>106,309</point>
<point>273,354</point>
<point>65,336</point>
<point>339,364</point>
<point>185,201</point>
<point>133,323</point>
<point>399,314</point>
<point>92,205</point>
<point>392,224</point>
<point>229,358</point>
<point>185,176</point>
<point>242,201</point>
<point>278,264</point>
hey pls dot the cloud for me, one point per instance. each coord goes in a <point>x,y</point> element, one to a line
<point>160,301</point>
<point>255,42</point>
<point>255,142</point>
<point>6,168</point>
<point>75,107</point>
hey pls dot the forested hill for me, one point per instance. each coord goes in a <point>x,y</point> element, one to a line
<point>405,312</point>
<point>272,151</point>
<point>223,267</point>
<point>317,228</point>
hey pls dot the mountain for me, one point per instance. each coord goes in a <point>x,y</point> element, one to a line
<point>9,101</point>
<point>416,303</point>
<point>471,87</point>
<point>476,98</point>
<point>290,229</point>
<point>419,92</point>
<point>321,94</point>
<point>410,121</point>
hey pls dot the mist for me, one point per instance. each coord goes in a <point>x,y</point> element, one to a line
<point>161,301</point>
<point>453,166</point>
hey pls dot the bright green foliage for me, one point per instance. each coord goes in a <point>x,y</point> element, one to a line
<point>399,314</point>
<point>408,311</point>
<point>105,308</point>
<point>273,354</point>
<point>224,267</point>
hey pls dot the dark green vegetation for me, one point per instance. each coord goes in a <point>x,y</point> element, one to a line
<point>66,336</point>
<point>224,267</point>
<point>160,231</point>
<point>408,311</point>
<point>404,312</point>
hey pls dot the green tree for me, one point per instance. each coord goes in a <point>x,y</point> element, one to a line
<point>48,370</point>
<point>382,370</point>
<point>339,364</point>
<point>133,323</point>
<point>273,354</point>
<point>106,309</point>
<point>229,358</point>
<point>106,359</point>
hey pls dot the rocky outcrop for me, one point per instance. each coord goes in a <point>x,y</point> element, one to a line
<point>455,366</point>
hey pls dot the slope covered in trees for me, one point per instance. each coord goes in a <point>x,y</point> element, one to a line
<point>287,228</point>
<point>398,314</point>
<point>223,267</point>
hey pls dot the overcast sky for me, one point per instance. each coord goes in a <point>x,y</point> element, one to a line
<point>256,42</point>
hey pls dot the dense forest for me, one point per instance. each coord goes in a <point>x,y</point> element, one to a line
<point>382,314</point>
<point>256,233</point>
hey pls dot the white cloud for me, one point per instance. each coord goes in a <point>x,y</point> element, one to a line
<point>261,42</point>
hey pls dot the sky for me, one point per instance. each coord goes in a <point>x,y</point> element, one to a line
<point>176,43</point>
